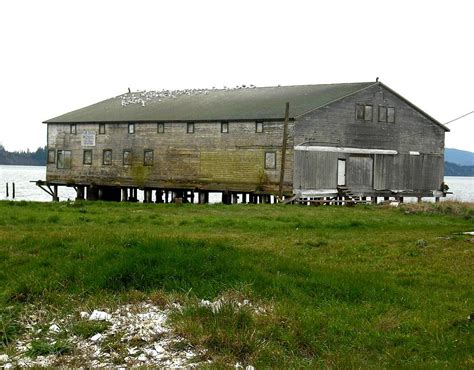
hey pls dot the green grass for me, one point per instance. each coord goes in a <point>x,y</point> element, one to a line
<point>368,286</point>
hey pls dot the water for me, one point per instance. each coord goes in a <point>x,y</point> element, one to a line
<point>462,187</point>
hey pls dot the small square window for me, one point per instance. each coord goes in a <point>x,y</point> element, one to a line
<point>127,157</point>
<point>190,128</point>
<point>131,128</point>
<point>259,127</point>
<point>161,128</point>
<point>101,128</point>
<point>64,159</point>
<point>73,128</point>
<point>364,112</point>
<point>391,115</point>
<point>51,156</point>
<point>107,157</point>
<point>270,160</point>
<point>148,157</point>
<point>225,127</point>
<point>87,156</point>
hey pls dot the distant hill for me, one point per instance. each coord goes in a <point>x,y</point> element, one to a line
<point>27,158</point>
<point>459,157</point>
<point>452,169</point>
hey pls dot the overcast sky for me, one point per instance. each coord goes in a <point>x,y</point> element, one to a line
<point>58,56</point>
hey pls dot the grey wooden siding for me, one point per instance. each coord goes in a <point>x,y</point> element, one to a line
<point>315,170</point>
<point>359,172</point>
<point>336,125</point>
<point>206,159</point>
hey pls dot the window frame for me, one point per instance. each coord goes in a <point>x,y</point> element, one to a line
<point>190,128</point>
<point>382,108</point>
<point>66,164</point>
<point>131,128</point>
<point>394,115</point>
<point>386,108</point>
<point>364,116</point>
<point>224,127</point>
<point>274,160</point>
<point>145,157</point>
<point>160,128</point>
<point>73,128</point>
<point>102,129</point>
<point>257,124</point>
<point>129,158</point>
<point>103,157</point>
<point>53,160</point>
<point>84,156</point>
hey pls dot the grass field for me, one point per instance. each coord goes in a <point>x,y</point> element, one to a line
<point>368,286</point>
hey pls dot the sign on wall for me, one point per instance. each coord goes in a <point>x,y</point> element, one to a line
<point>88,138</point>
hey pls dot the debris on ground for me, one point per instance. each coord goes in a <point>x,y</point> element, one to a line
<point>136,335</point>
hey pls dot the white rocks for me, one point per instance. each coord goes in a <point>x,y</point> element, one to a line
<point>100,316</point>
<point>96,337</point>
<point>142,358</point>
<point>54,329</point>
<point>84,315</point>
<point>3,358</point>
<point>249,367</point>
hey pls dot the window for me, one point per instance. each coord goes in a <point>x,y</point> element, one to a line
<point>364,112</point>
<point>386,114</point>
<point>160,128</point>
<point>190,128</point>
<point>270,160</point>
<point>259,127</point>
<point>64,159</point>
<point>148,157</point>
<point>127,157</point>
<point>131,128</point>
<point>51,156</point>
<point>107,157</point>
<point>101,128</point>
<point>72,128</point>
<point>225,127</point>
<point>87,156</point>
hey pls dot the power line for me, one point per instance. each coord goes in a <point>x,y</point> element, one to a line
<point>464,115</point>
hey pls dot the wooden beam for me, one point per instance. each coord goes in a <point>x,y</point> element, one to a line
<point>283,151</point>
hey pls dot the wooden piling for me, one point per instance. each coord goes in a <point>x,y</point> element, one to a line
<point>7,190</point>
<point>55,193</point>
<point>13,190</point>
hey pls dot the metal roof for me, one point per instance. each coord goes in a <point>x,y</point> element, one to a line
<point>245,103</point>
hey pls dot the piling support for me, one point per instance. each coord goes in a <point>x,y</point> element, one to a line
<point>7,190</point>
<point>55,193</point>
<point>13,190</point>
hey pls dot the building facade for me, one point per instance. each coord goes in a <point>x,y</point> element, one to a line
<point>356,140</point>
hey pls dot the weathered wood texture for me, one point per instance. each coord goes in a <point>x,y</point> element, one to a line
<point>205,159</point>
<point>336,125</point>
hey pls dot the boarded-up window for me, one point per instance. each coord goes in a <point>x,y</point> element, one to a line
<point>148,157</point>
<point>270,160</point>
<point>51,156</point>
<point>368,113</point>
<point>364,112</point>
<point>386,114</point>
<point>382,114</point>
<point>390,115</point>
<point>190,128</point>
<point>64,159</point>
<point>127,157</point>
<point>225,127</point>
<point>131,128</point>
<point>87,156</point>
<point>160,128</point>
<point>73,128</point>
<point>107,157</point>
<point>259,127</point>
<point>101,128</point>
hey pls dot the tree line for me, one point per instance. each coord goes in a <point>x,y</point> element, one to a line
<point>23,158</point>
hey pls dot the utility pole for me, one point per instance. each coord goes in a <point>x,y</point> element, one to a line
<point>283,151</point>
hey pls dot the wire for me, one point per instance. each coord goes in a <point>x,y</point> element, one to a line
<point>464,115</point>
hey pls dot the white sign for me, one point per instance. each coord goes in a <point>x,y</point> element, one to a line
<point>88,138</point>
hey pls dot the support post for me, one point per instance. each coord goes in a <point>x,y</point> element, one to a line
<point>283,150</point>
<point>7,190</point>
<point>55,193</point>
<point>80,193</point>
<point>13,190</point>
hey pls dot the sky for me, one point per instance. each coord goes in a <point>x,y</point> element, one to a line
<point>58,56</point>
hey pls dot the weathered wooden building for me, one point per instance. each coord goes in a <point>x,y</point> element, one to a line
<point>354,140</point>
